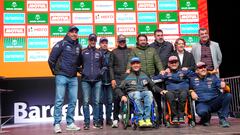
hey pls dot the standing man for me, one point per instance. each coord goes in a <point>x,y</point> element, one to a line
<point>91,81</point>
<point>163,48</point>
<point>148,55</point>
<point>209,97</point>
<point>64,62</point>
<point>118,67</point>
<point>207,51</point>
<point>106,91</point>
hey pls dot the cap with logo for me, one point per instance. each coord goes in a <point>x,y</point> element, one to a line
<point>103,39</point>
<point>92,36</point>
<point>201,64</point>
<point>71,28</point>
<point>172,58</point>
<point>121,38</point>
<point>135,59</point>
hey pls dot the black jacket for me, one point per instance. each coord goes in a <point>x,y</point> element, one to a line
<point>188,60</point>
<point>106,66</point>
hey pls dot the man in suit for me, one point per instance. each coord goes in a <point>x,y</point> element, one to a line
<point>207,51</point>
<point>185,59</point>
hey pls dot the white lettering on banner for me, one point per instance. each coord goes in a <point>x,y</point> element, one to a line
<point>60,18</point>
<point>146,6</point>
<point>82,18</point>
<point>189,16</point>
<point>38,56</point>
<point>104,17</point>
<point>37,5</point>
<point>103,5</point>
<point>11,30</point>
<point>169,28</point>
<point>30,114</point>
<point>126,17</point>
<point>126,29</point>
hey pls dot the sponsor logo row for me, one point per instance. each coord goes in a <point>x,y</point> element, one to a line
<point>87,5</point>
<point>85,18</point>
<point>85,30</point>
<point>14,48</point>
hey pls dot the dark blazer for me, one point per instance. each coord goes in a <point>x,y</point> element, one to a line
<point>188,60</point>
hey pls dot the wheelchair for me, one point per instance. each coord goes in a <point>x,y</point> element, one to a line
<point>189,112</point>
<point>129,119</point>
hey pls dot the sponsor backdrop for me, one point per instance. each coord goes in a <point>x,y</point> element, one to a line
<point>30,28</point>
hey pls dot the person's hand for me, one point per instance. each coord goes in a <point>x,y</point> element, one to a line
<point>162,72</point>
<point>114,83</point>
<point>128,71</point>
<point>163,92</point>
<point>184,68</point>
<point>124,99</point>
<point>223,84</point>
<point>194,95</point>
<point>167,70</point>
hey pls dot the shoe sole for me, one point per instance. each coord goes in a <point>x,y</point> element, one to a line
<point>69,129</point>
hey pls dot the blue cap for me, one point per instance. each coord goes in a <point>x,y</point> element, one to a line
<point>103,39</point>
<point>135,59</point>
<point>92,36</point>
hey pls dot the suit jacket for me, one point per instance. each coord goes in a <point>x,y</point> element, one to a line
<point>215,51</point>
<point>188,60</point>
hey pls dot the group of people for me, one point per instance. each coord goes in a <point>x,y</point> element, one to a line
<point>111,76</point>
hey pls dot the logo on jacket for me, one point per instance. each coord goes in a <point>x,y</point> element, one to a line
<point>133,82</point>
<point>144,82</point>
<point>97,55</point>
<point>68,48</point>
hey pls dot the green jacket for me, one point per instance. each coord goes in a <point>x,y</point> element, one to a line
<point>149,59</point>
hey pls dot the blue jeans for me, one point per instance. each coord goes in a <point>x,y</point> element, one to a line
<point>106,98</point>
<point>63,82</point>
<point>143,111</point>
<point>91,89</point>
<point>220,104</point>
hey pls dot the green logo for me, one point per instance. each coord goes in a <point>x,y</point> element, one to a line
<point>131,41</point>
<point>168,17</point>
<point>83,42</point>
<point>191,40</point>
<point>104,29</point>
<point>125,5</point>
<point>40,18</point>
<point>82,5</point>
<point>146,28</point>
<point>10,5</point>
<point>188,5</point>
<point>14,43</point>
<point>59,30</point>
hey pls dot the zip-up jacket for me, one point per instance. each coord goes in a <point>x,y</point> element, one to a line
<point>106,67</point>
<point>92,64</point>
<point>65,57</point>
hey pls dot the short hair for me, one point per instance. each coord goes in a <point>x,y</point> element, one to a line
<point>176,41</point>
<point>202,29</point>
<point>158,30</point>
<point>142,35</point>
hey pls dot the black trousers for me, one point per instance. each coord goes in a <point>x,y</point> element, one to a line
<point>177,100</point>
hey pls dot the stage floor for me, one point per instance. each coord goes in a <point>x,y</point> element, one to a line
<point>47,129</point>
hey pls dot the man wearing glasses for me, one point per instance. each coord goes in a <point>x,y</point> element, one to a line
<point>209,96</point>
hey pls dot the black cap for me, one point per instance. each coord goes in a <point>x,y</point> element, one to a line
<point>103,39</point>
<point>121,38</point>
<point>71,28</point>
<point>92,37</point>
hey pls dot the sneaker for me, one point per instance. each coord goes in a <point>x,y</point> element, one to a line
<point>223,123</point>
<point>205,122</point>
<point>73,127</point>
<point>97,126</point>
<point>86,127</point>
<point>148,123</point>
<point>141,123</point>
<point>109,122</point>
<point>115,124</point>
<point>181,119</point>
<point>57,128</point>
<point>175,119</point>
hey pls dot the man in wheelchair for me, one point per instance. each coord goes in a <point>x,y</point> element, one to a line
<point>211,95</point>
<point>137,87</point>
<point>177,85</point>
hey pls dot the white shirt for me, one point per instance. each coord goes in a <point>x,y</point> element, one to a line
<point>180,55</point>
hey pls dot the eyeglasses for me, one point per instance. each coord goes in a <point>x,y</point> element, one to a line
<point>180,43</point>
<point>123,41</point>
<point>159,35</point>
<point>201,67</point>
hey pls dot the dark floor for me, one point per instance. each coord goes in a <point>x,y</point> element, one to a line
<point>47,129</point>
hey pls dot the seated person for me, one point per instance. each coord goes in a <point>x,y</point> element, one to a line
<point>177,85</point>
<point>209,97</point>
<point>136,85</point>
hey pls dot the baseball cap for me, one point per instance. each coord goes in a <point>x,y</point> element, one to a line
<point>135,59</point>
<point>103,39</point>
<point>71,28</point>
<point>121,38</point>
<point>172,58</point>
<point>92,37</point>
<point>201,64</point>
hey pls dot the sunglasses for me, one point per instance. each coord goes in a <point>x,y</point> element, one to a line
<point>201,67</point>
<point>123,41</point>
<point>173,62</point>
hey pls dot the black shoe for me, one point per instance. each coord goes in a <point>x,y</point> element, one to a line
<point>97,126</point>
<point>109,122</point>
<point>223,123</point>
<point>175,119</point>
<point>204,122</point>
<point>86,127</point>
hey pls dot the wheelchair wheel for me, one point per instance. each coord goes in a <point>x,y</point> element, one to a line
<point>192,123</point>
<point>192,112</point>
<point>164,111</point>
<point>155,115</point>
<point>134,125</point>
<point>125,114</point>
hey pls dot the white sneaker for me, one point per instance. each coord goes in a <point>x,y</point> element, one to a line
<point>73,127</point>
<point>57,128</point>
<point>115,124</point>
